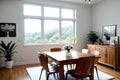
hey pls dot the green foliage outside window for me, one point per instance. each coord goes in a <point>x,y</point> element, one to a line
<point>50,37</point>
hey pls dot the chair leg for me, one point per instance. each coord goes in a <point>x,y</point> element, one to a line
<point>90,77</point>
<point>96,71</point>
<point>67,67</point>
<point>57,75</point>
<point>66,75</point>
<point>47,76</point>
<point>41,73</point>
<point>54,76</point>
<point>73,66</point>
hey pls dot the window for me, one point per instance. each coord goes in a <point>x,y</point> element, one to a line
<point>48,24</point>
<point>51,31</point>
<point>67,13</point>
<point>32,10</point>
<point>51,12</point>
<point>67,31</point>
<point>32,31</point>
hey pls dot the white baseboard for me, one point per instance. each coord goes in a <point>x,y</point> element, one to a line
<point>21,63</point>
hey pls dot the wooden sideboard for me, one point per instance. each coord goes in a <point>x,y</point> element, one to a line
<point>110,55</point>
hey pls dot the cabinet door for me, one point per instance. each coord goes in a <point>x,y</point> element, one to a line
<point>97,48</point>
<point>111,56</point>
<point>103,54</point>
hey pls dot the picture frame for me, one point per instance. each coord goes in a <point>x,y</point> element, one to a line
<point>108,32</point>
<point>7,29</point>
<point>114,40</point>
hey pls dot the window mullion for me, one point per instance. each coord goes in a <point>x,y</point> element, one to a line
<point>74,14</point>
<point>74,24</point>
<point>60,27</point>
<point>42,25</point>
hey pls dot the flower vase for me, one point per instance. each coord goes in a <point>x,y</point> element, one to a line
<point>68,52</point>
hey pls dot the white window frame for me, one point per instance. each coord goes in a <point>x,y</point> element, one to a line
<point>42,18</point>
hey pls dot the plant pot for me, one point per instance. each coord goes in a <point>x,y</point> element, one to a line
<point>8,64</point>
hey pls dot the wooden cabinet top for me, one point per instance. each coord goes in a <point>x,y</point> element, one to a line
<point>104,45</point>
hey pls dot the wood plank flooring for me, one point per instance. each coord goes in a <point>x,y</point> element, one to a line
<point>19,72</point>
<point>110,71</point>
<point>16,73</point>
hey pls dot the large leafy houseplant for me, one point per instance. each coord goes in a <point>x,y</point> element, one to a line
<point>92,36</point>
<point>7,50</point>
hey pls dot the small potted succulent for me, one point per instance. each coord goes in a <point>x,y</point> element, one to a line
<point>7,51</point>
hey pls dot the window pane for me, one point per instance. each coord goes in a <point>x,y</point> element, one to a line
<point>32,10</point>
<point>51,31</point>
<point>32,31</point>
<point>67,32</point>
<point>67,13</point>
<point>51,12</point>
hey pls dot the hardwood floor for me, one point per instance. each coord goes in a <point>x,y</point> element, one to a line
<point>110,71</point>
<point>19,72</point>
<point>16,73</point>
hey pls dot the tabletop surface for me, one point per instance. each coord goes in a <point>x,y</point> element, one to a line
<point>63,56</point>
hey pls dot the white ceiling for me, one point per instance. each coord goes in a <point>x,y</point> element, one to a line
<point>81,1</point>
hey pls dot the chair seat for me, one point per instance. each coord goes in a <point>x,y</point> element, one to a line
<point>72,73</point>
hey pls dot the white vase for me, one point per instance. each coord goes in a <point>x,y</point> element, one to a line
<point>8,64</point>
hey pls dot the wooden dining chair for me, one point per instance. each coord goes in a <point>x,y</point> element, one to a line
<point>55,49</point>
<point>50,69</point>
<point>85,51</point>
<point>84,68</point>
<point>96,53</point>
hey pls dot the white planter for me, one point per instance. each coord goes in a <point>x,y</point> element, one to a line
<point>8,64</point>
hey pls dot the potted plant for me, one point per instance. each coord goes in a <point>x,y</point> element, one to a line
<point>92,36</point>
<point>7,51</point>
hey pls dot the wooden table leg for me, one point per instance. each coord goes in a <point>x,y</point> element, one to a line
<point>61,71</point>
<point>92,74</point>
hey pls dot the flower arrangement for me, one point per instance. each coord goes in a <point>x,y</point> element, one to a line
<point>68,47</point>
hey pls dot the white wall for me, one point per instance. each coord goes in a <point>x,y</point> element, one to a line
<point>12,11</point>
<point>106,13</point>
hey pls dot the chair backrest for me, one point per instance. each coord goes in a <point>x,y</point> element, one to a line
<point>44,61</point>
<point>96,53</point>
<point>55,49</point>
<point>84,66</point>
<point>85,51</point>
